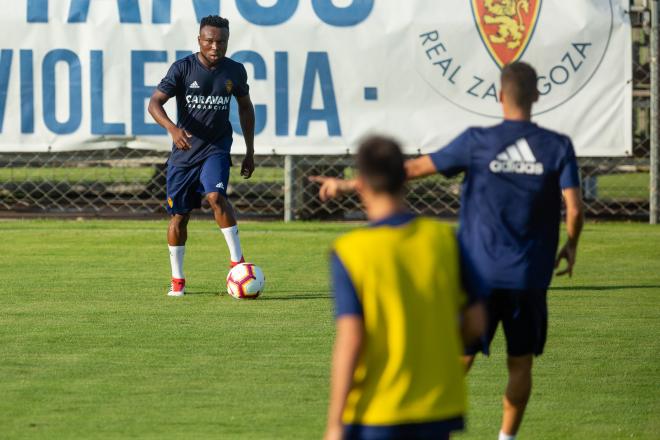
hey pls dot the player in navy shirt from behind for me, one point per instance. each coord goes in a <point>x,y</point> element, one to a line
<point>515,174</point>
<point>203,84</point>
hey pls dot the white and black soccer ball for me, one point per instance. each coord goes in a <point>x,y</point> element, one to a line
<point>245,281</point>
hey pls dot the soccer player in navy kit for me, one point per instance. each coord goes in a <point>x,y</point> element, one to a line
<point>515,175</point>
<point>203,84</point>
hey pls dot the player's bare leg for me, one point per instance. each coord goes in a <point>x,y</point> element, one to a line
<point>226,220</point>
<point>177,234</point>
<point>517,393</point>
<point>222,210</point>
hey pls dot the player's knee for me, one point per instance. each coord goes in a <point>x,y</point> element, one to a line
<point>179,221</point>
<point>520,370</point>
<point>217,202</point>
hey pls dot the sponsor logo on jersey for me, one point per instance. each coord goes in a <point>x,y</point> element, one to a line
<point>194,85</point>
<point>517,158</point>
<point>203,102</point>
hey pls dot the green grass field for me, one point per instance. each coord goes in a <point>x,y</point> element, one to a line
<point>90,346</point>
<point>624,186</point>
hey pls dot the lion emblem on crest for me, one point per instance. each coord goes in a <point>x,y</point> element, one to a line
<point>507,15</point>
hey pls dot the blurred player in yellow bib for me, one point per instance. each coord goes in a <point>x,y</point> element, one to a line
<point>406,303</point>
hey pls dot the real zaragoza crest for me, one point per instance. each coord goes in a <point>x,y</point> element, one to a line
<point>506,26</point>
<point>566,42</point>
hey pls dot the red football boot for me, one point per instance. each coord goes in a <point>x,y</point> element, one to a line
<point>177,287</point>
<point>235,263</point>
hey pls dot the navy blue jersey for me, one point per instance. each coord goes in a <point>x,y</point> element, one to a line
<point>511,199</point>
<point>202,99</point>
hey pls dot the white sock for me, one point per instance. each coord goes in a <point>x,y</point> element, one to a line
<point>504,436</point>
<point>233,242</point>
<point>176,260</point>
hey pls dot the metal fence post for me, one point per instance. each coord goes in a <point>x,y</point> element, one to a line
<point>289,183</point>
<point>654,187</point>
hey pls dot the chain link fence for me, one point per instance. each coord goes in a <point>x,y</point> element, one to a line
<point>131,183</point>
<point>124,182</point>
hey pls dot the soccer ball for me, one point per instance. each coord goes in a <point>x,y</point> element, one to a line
<point>245,281</point>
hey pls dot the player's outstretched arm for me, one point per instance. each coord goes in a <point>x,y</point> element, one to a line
<point>350,333</point>
<point>157,111</point>
<point>419,167</point>
<point>574,222</point>
<point>333,187</point>
<point>246,116</point>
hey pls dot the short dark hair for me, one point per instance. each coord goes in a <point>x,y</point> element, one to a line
<point>519,83</point>
<point>380,164</point>
<point>215,21</point>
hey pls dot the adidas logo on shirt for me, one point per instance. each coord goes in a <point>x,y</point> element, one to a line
<point>194,85</point>
<point>517,158</point>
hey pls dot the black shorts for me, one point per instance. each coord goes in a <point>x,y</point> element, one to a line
<point>439,430</point>
<point>524,317</point>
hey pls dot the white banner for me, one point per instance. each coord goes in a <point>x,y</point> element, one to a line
<point>323,73</point>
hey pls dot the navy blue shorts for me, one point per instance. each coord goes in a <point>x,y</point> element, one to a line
<point>187,185</point>
<point>439,430</point>
<point>524,317</point>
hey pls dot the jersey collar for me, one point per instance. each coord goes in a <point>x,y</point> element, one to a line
<point>517,122</point>
<point>398,219</point>
<point>214,69</point>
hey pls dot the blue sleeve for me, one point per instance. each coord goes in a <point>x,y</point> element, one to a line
<point>455,157</point>
<point>473,283</point>
<point>241,88</point>
<point>168,85</point>
<point>569,175</point>
<point>346,300</point>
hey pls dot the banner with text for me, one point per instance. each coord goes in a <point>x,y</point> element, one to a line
<point>78,74</point>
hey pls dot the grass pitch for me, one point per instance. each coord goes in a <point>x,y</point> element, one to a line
<point>90,346</point>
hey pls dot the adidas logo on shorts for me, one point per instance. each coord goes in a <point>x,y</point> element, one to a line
<point>517,158</point>
<point>194,85</point>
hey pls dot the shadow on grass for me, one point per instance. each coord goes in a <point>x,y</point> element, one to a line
<point>300,291</point>
<point>279,294</point>
<point>570,288</point>
<point>267,297</point>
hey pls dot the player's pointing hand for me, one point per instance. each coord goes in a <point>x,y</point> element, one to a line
<point>180,138</point>
<point>333,187</point>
